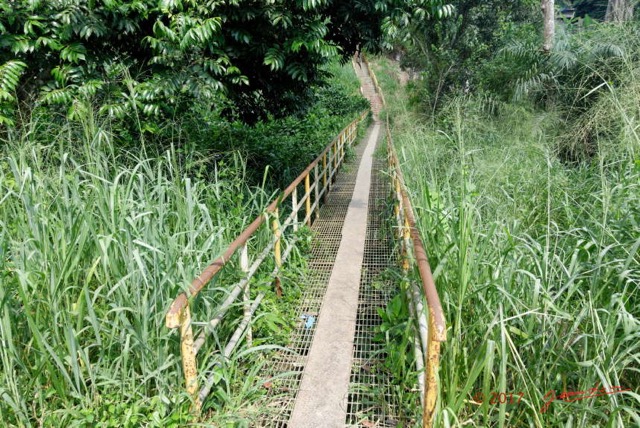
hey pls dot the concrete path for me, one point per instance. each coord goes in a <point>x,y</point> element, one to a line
<point>322,399</point>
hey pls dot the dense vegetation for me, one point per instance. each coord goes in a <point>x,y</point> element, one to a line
<point>99,233</point>
<point>247,59</point>
<point>137,138</point>
<point>526,182</point>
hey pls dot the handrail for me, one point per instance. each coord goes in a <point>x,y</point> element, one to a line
<point>433,331</point>
<point>198,284</point>
<point>324,168</point>
<point>374,78</point>
<point>420,254</point>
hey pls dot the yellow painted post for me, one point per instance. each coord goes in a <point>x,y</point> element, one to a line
<point>294,208</point>
<point>316,180</point>
<point>307,201</point>
<point>399,207</point>
<point>276,231</point>
<point>432,362</point>
<point>246,295</point>
<point>330,163</point>
<point>189,366</point>
<point>396,203</point>
<point>342,138</point>
<point>324,171</point>
<point>324,176</point>
<point>335,156</point>
<point>406,235</point>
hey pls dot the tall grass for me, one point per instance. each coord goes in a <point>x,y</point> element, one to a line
<point>96,242</point>
<point>93,248</point>
<point>537,263</point>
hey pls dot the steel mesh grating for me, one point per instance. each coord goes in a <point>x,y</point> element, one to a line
<point>370,401</point>
<point>327,235</point>
<point>370,396</point>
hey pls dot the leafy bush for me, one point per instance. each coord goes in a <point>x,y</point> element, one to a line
<point>284,147</point>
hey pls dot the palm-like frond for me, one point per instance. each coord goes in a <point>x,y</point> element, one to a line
<point>10,73</point>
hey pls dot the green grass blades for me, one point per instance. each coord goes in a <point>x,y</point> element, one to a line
<point>100,231</point>
<point>93,248</point>
<point>536,260</point>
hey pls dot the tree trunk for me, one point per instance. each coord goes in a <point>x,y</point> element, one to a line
<point>548,10</point>
<point>619,11</point>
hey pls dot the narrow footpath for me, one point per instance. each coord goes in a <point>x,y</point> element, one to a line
<point>333,380</point>
<point>329,363</point>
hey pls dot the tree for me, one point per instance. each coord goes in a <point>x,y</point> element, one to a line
<point>155,57</point>
<point>549,13</point>
<point>450,51</point>
<point>619,10</point>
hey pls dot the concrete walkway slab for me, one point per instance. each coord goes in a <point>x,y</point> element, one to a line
<point>322,399</point>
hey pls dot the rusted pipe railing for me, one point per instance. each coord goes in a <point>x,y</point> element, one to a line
<point>430,317</point>
<point>324,169</point>
<point>374,78</point>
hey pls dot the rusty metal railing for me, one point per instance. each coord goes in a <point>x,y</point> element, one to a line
<point>315,182</point>
<point>429,317</point>
<point>374,78</point>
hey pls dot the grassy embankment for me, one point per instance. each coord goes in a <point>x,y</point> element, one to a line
<point>96,241</point>
<point>536,260</point>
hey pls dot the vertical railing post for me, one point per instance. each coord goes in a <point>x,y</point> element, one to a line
<point>399,208</point>
<point>307,194</point>
<point>396,204</point>
<point>330,170</point>
<point>324,176</point>
<point>294,208</point>
<point>277,250</point>
<point>342,138</point>
<point>316,180</point>
<point>432,361</point>
<point>335,157</point>
<point>406,237</point>
<point>246,295</point>
<point>189,366</point>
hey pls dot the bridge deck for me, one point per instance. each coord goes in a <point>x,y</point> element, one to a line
<point>333,377</point>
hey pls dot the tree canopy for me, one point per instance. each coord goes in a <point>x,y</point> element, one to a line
<point>157,56</point>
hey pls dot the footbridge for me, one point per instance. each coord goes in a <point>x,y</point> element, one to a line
<point>365,249</point>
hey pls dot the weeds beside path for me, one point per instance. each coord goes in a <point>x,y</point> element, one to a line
<point>536,263</point>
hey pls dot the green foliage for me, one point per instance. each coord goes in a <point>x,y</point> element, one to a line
<point>284,147</point>
<point>96,241</point>
<point>396,334</point>
<point>577,78</point>
<point>9,76</point>
<point>536,262</point>
<point>407,19</point>
<point>94,246</point>
<point>450,51</point>
<point>157,58</point>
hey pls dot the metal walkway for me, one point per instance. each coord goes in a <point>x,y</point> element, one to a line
<point>318,392</point>
<point>332,373</point>
<point>369,400</point>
